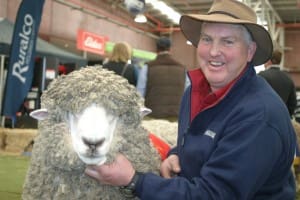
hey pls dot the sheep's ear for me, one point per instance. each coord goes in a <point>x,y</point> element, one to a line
<point>145,111</point>
<point>39,114</point>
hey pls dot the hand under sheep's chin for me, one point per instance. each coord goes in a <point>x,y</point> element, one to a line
<point>94,160</point>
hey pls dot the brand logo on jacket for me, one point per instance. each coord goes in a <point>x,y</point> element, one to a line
<point>210,133</point>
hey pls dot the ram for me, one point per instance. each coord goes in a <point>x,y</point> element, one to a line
<point>86,117</point>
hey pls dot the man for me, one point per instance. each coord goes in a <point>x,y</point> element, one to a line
<point>235,139</point>
<point>297,109</point>
<point>280,81</point>
<point>162,82</point>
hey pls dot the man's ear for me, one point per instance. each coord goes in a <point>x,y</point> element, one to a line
<point>39,114</point>
<point>251,50</point>
<point>145,111</point>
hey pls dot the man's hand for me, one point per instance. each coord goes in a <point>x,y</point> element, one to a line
<point>170,166</point>
<point>118,173</point>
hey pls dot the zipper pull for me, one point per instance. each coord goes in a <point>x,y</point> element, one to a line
<point>183,138</point>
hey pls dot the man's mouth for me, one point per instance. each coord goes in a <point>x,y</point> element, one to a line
<point>216,64</point>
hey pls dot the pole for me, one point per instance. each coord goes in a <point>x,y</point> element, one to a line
<point>2,77</point>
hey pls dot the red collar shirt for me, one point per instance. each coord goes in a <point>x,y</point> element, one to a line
<point>201,95</point>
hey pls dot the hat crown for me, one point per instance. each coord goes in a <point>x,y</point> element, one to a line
<point>234,9</point>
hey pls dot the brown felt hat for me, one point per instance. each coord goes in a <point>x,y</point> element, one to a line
<point>233,12</point>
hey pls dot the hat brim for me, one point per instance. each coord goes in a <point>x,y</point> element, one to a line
<point>190,26</point>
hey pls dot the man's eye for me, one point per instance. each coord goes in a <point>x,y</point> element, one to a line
<point>205,39</point>
<point>228,42</point>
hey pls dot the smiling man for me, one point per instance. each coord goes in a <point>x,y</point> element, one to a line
<point>223,56</point>
<point>235,138</point>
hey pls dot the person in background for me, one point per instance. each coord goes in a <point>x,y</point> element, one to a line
<point>297,109</point>
<point>280,81</point>
<point>235,137</point>
<point>62,70</point>
<point>119,62</point>
<point>162,82</point>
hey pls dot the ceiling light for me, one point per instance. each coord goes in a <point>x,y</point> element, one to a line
<point>165,9</point>
<point>140,18</point>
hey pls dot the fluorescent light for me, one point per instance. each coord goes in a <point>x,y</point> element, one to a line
<point>161,6</point>
<point>140,18</point>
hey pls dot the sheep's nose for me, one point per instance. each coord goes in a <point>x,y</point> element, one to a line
<point>92,144</point>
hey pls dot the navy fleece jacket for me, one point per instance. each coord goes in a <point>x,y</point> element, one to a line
<point>242,148</point>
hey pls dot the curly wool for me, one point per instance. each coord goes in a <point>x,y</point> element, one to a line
<point>55,171</point>
<point>77,90</point>
<point>162,128</point>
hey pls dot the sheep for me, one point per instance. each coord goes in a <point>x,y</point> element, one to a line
<point>162,128</point>
<point>86,117</point>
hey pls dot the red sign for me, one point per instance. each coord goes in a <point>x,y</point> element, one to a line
<point>91,42</point>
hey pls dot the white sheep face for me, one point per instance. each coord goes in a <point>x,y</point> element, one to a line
<point>92,133</point>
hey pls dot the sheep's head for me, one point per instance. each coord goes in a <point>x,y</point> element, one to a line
<point>91,102</point>
<point>91,131</point>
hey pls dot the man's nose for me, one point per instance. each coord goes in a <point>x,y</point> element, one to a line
<point>215,49</point>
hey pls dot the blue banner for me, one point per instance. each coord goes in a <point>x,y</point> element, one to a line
<point>22,55</point>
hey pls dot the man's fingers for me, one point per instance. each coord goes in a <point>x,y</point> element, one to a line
<point>175,168</point>
<point>170,167</point>
<point>175,164</point>
<point>165,172</point>
<point>95,172</point>
<point>91,172</point>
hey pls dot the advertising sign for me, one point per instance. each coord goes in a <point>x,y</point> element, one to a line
<point>91,42</point>
<point>22,55</point>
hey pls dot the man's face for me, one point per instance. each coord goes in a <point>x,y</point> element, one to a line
<point>223,53</point>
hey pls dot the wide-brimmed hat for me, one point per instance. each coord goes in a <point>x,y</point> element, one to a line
<point>233,12</point>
